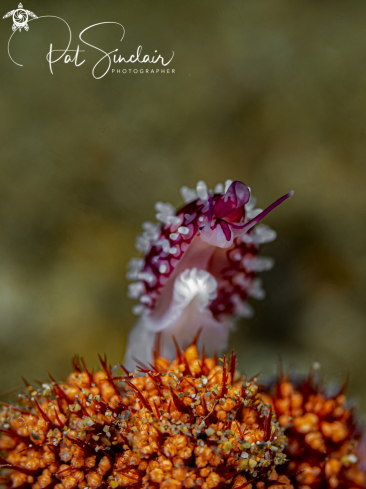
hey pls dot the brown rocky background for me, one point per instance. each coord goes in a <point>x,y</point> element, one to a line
<point>272,93</point>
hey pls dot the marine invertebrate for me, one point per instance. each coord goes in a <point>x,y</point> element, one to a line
<point>199,267</point>
<point>182,424</point>
<point>193,422</point>
<point>323,434</point>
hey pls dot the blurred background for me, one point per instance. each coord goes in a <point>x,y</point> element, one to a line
<point>271,92</point>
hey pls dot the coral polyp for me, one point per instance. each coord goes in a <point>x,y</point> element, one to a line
<point>324,439</point>
<point>188,423</point>
<point>193,422</point>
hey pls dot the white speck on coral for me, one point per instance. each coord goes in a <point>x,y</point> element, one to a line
<point>201,190</point>
<point>163,268</point>
<point>352,458</point>
<point>201,218</point>
<point>174,236</point>
<point>173,250</point>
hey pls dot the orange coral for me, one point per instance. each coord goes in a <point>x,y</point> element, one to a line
<point>322,434</point>
<point>190,423</point>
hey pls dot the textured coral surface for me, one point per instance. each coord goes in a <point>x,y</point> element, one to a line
<point>322,434</point>
<point>193,422</point>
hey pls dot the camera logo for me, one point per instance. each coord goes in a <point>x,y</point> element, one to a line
<point>20,18</point>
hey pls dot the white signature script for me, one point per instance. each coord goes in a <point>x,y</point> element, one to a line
<point>107,59</point>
